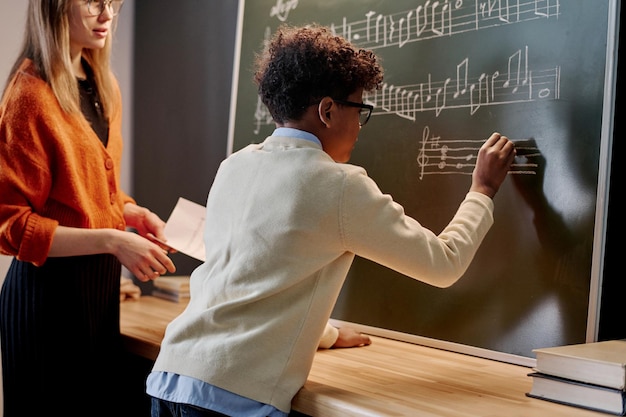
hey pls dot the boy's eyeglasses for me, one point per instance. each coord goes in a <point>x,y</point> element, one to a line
<point>364,114</point>
<point>97,7</point>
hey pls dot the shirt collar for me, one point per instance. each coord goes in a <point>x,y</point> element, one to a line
<point>296,133</point>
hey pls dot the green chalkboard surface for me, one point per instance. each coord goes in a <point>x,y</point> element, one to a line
<point>540,72</point>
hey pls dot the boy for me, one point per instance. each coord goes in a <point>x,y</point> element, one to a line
<point>285,219</point>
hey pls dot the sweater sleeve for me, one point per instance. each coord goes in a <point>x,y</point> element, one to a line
<point>329,337</point>
<point>25,180</point>
<point>377,228</point>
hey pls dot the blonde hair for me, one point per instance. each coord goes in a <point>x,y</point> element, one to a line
<point>47,44</point>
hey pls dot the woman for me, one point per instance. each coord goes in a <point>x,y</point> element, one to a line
<point>63,216</point>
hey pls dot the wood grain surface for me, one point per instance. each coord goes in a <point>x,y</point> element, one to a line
<point>386,378</point>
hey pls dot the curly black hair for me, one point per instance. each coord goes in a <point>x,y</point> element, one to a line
<point>301,65</point>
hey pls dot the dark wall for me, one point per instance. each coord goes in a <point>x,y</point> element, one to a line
<point>182,85</point>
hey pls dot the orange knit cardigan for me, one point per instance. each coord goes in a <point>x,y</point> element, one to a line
<point>54,170</point>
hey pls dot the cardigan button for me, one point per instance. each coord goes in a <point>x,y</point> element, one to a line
<point>109,163</point>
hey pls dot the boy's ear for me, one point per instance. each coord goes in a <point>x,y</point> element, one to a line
<point>325,110</point>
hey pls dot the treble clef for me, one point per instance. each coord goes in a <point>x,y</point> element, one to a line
<point>422,158</point>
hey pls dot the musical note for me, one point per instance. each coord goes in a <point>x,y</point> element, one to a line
<point>520,84</point>
<point>458,156</point>
<point>434,19</point>
<point>431,19</point>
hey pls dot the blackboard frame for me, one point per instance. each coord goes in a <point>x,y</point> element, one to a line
<point>605,110</point>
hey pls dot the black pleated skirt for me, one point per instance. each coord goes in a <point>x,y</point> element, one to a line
<point>60,336</point>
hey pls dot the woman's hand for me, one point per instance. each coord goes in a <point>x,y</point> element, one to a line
<point>143,258</point>
<point>144,221</point>
<point>147,224</point>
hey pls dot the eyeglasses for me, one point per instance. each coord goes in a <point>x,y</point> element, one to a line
<point>364,113</point>
<point>97,7</point>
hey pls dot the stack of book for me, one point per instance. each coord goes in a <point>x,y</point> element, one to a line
<point>172,287</point>
<point>587,375</point>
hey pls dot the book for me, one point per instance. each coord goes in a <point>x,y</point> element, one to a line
<point>176,283</point>
<point>171,295</point>
<point>171,287</point>
<point>577,394</point>
<point>600,363</point>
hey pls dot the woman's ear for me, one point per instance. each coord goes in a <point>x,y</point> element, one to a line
<point>325,110</point>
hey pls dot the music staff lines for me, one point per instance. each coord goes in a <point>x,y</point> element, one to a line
<point>518,83</point>
<point>458,156</point>
<point>433,19</point>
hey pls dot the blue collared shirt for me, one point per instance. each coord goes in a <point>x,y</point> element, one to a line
<point>296,133</point>
<point>186,390</point>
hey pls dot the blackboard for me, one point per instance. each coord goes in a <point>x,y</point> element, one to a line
<point>541,72</point>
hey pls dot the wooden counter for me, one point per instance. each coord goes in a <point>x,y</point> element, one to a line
<point>387,378</point>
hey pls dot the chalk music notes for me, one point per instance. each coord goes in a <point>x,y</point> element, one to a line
<point>458,156</point>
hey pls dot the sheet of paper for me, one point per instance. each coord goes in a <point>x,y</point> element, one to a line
<point>185,228</point>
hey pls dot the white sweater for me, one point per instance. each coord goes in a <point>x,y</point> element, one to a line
<point>284,222</point>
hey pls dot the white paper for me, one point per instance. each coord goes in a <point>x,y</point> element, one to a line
<point>185,228</point>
